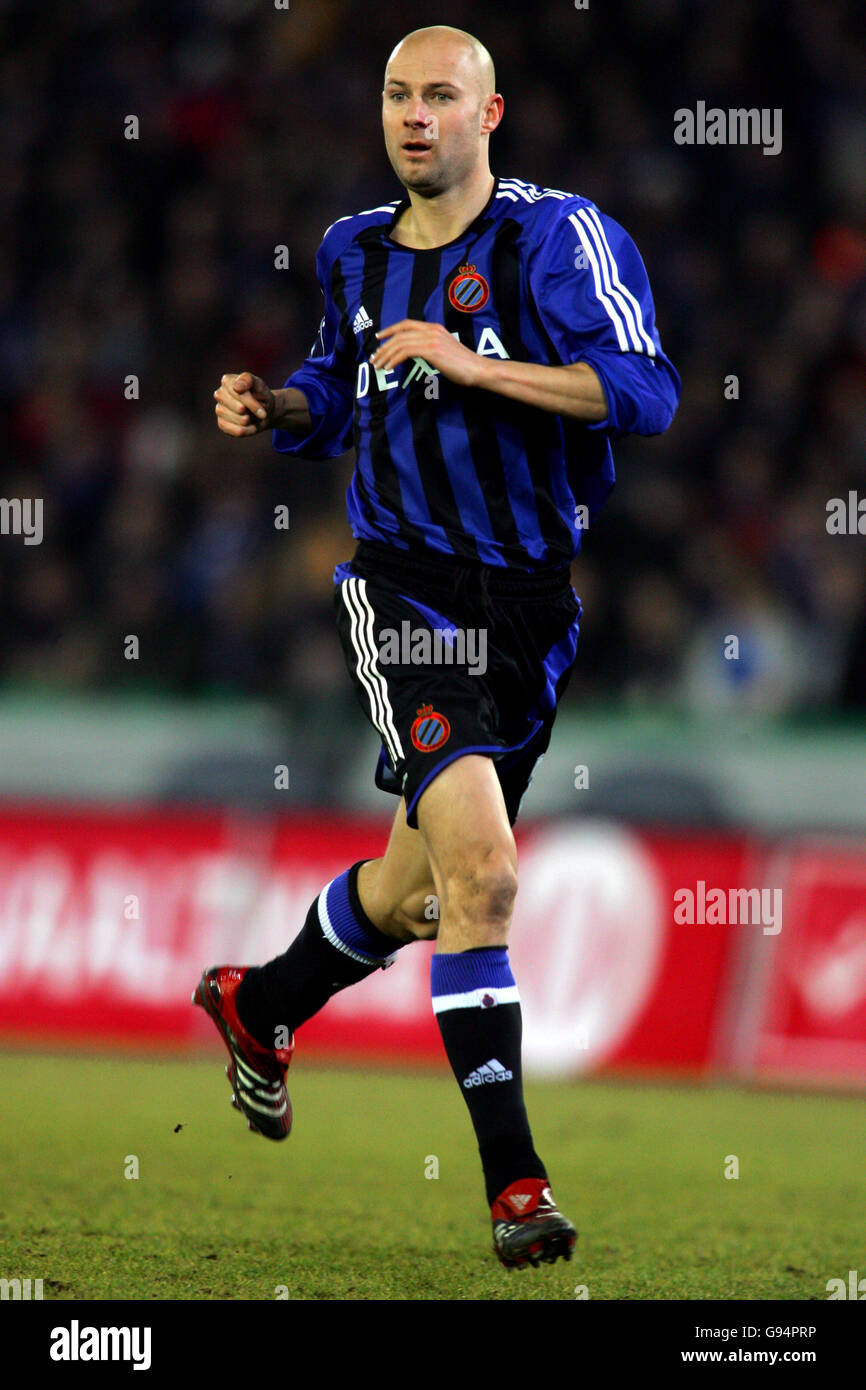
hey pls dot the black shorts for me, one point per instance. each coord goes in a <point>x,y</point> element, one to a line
<point>449,658</point>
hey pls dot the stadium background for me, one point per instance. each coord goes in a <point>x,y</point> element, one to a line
<point>141,830</point>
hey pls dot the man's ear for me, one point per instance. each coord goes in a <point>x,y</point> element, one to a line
<point>493,109</point>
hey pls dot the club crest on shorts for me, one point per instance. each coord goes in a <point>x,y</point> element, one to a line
<point>430,730</point>
<point>468,291</point>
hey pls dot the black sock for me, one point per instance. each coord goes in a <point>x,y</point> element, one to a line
<point>337,946</point>
<point>478,1011</point>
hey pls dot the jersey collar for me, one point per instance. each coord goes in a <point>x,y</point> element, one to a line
<point>404,203</point>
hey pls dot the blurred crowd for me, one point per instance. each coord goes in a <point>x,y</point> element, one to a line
<point>137,270</point>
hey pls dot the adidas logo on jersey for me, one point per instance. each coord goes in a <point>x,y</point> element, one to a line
<point>361,321</point>
<point>490,1072</point>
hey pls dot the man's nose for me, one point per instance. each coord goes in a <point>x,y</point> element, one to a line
<point>418,115</point>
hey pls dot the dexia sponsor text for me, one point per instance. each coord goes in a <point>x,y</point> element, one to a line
<point>740,906</point>
<point>75,1343</point>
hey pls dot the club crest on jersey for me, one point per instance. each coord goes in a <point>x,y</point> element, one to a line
<point>430,730</point>
<point>468,291</point>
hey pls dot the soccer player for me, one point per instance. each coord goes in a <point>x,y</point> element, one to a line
<point>482,341</point>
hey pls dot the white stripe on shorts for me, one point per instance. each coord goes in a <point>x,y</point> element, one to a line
<point>354,594</point>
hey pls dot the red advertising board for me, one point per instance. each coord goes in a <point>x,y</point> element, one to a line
<point>106,921</point>
<point>809,982</point>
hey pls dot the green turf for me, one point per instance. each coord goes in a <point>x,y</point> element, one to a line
<point>343,1210</point>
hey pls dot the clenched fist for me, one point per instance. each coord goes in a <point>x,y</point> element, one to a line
<point>244,404</point>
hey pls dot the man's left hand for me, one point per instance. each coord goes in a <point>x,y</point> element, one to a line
<point>433,342</point>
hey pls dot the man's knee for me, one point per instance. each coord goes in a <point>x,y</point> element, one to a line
<point>481,888</point>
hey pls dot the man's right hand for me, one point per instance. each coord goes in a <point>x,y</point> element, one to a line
<point>244,404</point>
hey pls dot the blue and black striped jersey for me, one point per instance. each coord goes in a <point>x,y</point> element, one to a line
<point>539,276</point>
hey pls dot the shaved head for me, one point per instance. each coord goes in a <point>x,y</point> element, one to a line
<point>439,108</point>
<point>454,45</point>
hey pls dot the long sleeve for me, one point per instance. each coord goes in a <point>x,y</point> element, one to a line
<point>593,296</point>
<point>326,378</point>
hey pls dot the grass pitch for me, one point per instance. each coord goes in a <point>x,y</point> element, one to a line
<point>343,1209</point>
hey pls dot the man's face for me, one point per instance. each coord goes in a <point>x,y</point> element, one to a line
<point>432,111</point>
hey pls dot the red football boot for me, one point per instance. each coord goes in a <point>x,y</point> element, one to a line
<point>528,1227</point>
<point>257,1074</point>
